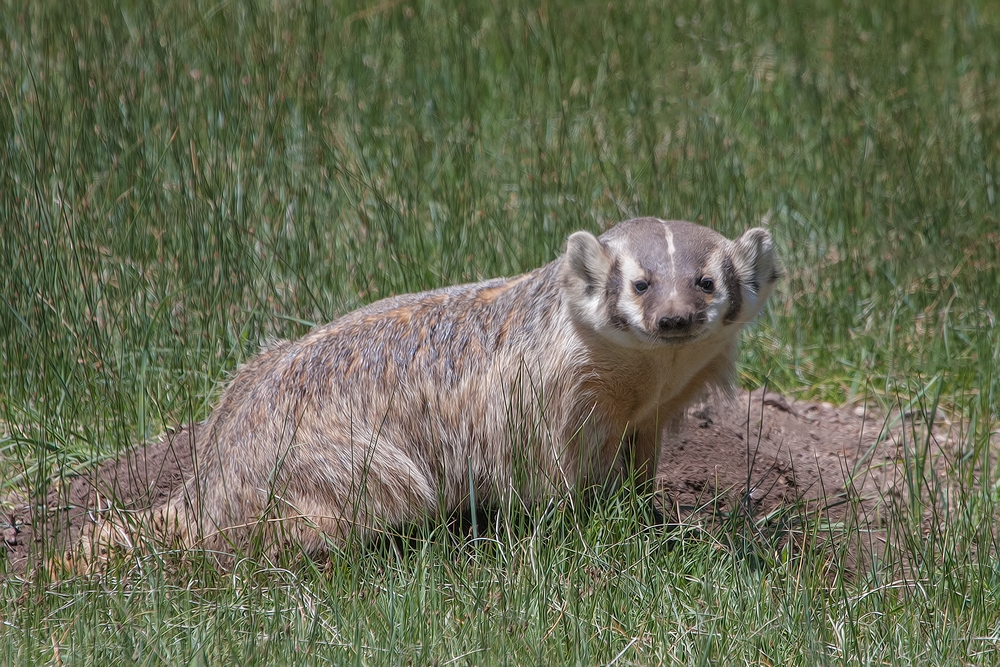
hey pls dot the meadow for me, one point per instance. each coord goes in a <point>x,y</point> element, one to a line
<point>182,181</point>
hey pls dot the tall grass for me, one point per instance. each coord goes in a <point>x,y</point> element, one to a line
<point>180,182</point>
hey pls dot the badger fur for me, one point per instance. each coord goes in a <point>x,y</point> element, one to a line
<point>556,380</point>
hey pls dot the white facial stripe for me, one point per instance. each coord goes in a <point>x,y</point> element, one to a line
<point>627,301</point>
<point>631,271</point>
<point>670,241</point>
<point>720,302</point>
<point>669,235</point>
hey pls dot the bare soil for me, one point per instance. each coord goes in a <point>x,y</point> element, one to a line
<point>756,454</point>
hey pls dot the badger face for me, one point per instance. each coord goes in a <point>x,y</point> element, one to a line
<point>649,281</point>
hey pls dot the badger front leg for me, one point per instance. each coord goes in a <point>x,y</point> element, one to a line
<point>645,456</point>
<point>631,458</point>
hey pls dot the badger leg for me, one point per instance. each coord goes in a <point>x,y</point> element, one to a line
<point>645,456</point>
<point>314,498</point>
<point>339,505</point>
<point>644,461</point>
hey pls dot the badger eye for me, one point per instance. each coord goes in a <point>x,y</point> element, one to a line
<point>640,286</point>
<point>706,284</point>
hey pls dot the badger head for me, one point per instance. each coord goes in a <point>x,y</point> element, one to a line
<point>649,281</point>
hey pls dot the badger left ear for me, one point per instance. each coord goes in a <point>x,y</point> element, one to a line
<point>584,276</point>
<point>586,266</point>
<point>755,260</point>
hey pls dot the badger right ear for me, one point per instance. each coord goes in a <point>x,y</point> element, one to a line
<point>756,260</point>
<point>587,264</point>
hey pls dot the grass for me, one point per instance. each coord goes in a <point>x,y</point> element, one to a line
<point>182,181</point>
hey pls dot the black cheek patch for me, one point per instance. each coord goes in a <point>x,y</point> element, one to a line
<point>733,288</point>
<point>614,285</point>
<point>611,293</point>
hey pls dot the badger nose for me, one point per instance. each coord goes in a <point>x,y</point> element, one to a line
<point>675,323</point>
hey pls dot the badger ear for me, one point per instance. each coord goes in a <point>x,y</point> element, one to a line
<point>755,260</point>
<point>587,264</point>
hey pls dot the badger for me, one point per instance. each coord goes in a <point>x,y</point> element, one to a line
<point>557,380</point>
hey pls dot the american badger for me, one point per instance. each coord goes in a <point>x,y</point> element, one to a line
<point>559,379</point>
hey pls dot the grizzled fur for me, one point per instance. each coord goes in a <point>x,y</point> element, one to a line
<point>558,379</point>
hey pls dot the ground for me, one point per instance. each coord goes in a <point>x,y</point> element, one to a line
<point>760,454</point>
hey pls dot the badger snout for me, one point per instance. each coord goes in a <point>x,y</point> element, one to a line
<point>679,324</point>
<point>675,323</point>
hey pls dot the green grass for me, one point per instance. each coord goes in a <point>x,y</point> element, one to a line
<point>180,182</point>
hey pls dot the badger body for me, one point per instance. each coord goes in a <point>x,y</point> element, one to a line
<point>528,387</point>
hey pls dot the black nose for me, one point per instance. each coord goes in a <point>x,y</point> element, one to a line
<point>675,323</point>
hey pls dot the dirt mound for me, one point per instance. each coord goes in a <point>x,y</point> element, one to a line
<point>758,453</point>
<point>137,481</point>
<point>772,462</point>
<point>765,451</point>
